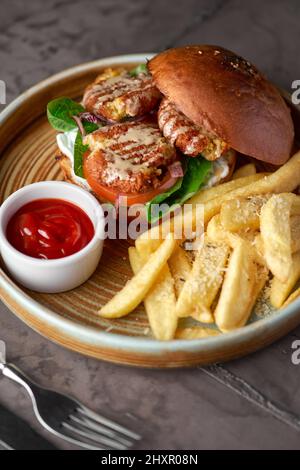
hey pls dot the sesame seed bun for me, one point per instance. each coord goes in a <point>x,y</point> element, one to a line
<point>227,95</point>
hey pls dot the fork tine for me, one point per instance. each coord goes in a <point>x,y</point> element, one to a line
<point>90,436</point>
<point>100,429</point>
<point>76,442</point>
<point>86,412</point>
<point>88,433</point>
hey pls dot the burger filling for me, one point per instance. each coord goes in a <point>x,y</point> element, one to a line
<point>137,158</point>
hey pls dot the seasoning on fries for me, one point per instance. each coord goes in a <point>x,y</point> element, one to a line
<point>251,239</point>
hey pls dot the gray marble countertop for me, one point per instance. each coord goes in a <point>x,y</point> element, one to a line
<point>252,403</point>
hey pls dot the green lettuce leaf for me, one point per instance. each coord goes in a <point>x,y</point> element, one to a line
<point>142,68</point>
<point>80,148</point>
<point>60,114</point>
<point>197,170</point>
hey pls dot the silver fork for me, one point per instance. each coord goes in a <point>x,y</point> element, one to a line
<point>67,418</point>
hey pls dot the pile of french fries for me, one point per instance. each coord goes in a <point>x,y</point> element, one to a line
<point>251,240</point>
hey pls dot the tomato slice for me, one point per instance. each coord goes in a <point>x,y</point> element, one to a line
<point>106,193</point>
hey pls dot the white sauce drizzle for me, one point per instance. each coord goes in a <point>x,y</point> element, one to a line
<point>66,143</point>
<point>122,166</point>
<point>113,87</point>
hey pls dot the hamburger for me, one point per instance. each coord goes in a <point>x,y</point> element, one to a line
<point>169,128</point>
<point>227,99</point>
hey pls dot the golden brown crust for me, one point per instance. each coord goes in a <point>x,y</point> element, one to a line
<point>227,95</point>
<point>65,165</point>
<point>129,157</point>
<point>191,140</point>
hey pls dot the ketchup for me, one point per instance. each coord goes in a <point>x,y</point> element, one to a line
<point>49,229</point>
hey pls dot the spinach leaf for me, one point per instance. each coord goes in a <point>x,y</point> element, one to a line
<point>163,196</point>
<point>197,170</point>
<point>142,68</point>
<point>60,112</point>
<point>90,126</point>
<point>79,150</point>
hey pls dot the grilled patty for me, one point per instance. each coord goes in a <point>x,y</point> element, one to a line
<point>129,157</point>
<point>115,95</point>
<point>190,139</point>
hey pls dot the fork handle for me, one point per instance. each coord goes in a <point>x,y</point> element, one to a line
<point>14,373</point>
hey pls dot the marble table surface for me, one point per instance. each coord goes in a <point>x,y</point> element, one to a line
<point>251,403</point>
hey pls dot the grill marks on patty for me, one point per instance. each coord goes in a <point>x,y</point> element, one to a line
<point>115,95</point>
<point>189,138</point>
<point>129,157</point>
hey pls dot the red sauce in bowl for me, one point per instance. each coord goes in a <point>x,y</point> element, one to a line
<point>49,229</point>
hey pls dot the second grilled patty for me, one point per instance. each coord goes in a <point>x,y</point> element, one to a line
<point>189,138</point>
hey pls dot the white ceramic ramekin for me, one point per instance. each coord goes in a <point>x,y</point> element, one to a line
<point>55,275</point>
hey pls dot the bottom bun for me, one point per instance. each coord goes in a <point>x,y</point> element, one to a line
<point>66,167</point>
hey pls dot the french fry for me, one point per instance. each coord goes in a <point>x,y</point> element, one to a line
<point>203,316</point>
<point>216,232</point>
<point>241,214</point>
<point>276,234</point>
<point>286,178</point>
<point>292,298</point>
<point>295,209</point>
<point>248,235</point>
<point>134,292</point>
<point>232,214</point>
<point>261,279</point>
<point>259,245</point>
<point>150,240</point>
<point>204,281</point>
<point>295,237</point>
<point>160,302</point>
<point>245,170</point>
<point>195,333</point>
<point>180,268</point>
<point>262,274</point>
<point>238,290</point>
<point>225,188</point>
<point>280,291</point>
<point>181,223</point>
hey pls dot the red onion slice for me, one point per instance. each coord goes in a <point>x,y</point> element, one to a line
<point>79,124</point>
<point>90,117</point>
